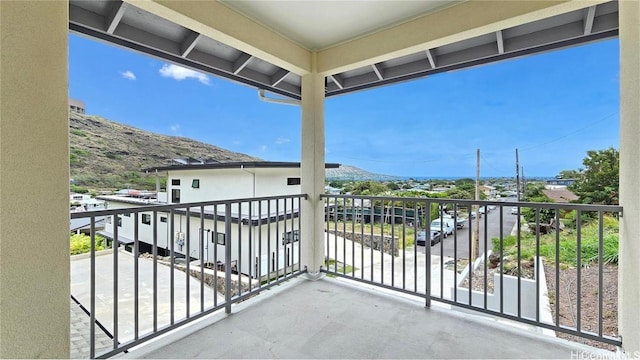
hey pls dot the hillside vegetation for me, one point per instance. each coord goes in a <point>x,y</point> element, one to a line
<point>106,155</point>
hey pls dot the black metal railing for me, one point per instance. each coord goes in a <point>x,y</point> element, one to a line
<point>202,257</point>
<point>485,256</point>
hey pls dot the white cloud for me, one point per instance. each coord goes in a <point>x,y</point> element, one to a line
<point>263,148</point>
<point>179,73</point>
<point>281,140</point>
<point>175,128</point>
<point>129,75</point>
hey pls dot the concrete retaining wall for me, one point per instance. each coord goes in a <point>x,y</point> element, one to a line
<point>509,293</point>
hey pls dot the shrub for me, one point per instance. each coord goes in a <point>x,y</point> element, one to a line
<point>78,132</point>
<point>81,243</point>
<point>567,245</point>
<point>78,189</point>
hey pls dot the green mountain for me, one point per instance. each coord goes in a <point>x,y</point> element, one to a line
<point>107,155</point>
<point>347,172</point>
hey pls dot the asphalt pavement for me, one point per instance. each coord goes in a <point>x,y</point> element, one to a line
<point>458,242</point>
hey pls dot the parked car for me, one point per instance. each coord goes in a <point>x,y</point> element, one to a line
<point>514,210</point>
<point>491,207</point>
<point>435,237</point>
<point>446,225</point>
<point>460,221</point>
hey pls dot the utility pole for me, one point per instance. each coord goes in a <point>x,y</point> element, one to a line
<point>524,182</point>
<point>475,246</point>
<point>517,176</point>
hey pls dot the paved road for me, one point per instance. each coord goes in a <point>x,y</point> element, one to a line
<point>492,219</point>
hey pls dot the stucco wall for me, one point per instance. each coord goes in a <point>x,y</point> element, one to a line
<point>34,176</point>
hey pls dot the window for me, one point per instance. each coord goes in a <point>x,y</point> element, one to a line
<point>146,219</point>
<point>127,214</point>
<point>293,181</point>
<point>119,221</point>
<point>79,197</point>
<point>163,219</point>
<point>175,195</point>
<point>290,236</point>
<point>108,220</point>
<point>175,181</point>
<point>219,238</point>
<point>195,183</point>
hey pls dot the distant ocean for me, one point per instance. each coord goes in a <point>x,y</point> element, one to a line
<point>453,178</point>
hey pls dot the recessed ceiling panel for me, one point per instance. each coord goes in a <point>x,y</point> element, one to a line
<point>317,25</point>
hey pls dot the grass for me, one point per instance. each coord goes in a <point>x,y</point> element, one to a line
<point>78,132</point>
<point>341,267</point>
<point>568,253</point>
<point>358,228</point>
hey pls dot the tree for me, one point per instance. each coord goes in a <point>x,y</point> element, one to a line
<point>368,188</point>
<point>569,174</point>
<point>392,186</point>
<point>598,183</point>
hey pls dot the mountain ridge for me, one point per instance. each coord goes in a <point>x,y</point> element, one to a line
<point>105,154</point>
<point>108,155</point>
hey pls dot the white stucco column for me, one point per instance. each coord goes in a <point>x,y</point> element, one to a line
<point>34,180</point>
<point>629,266</point>
<point>312,169</point>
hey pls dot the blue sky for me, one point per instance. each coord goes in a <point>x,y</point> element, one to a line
<point>553,107</point>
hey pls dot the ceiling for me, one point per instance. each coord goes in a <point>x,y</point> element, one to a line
<point>317,25</point>
<point>327,25</point>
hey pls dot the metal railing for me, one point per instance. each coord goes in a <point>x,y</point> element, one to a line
<point>375,240</point>
<point>202,257</point>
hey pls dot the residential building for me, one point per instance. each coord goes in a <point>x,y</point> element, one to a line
<point>76,105</point>
<point>199,182</point>
<point>85,202</point>
<point>560,182</point>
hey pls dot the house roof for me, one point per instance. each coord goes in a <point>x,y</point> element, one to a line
<point>560,195</point>
<point>357,44</point>
<point>234,165</point>
<point>85,223</point>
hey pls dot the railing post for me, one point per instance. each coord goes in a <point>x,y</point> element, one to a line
<point>227,258</point>
<point>427,245</point>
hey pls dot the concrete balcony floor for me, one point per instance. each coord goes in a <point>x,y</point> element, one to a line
<point>333,318</point>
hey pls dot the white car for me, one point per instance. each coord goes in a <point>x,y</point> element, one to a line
<point>447,225</point>
<point>514,210</point>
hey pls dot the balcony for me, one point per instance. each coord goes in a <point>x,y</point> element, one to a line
<point>380,295</point>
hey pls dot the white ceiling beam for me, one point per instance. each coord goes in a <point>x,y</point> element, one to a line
<point>432,58</point>
<point>115,15</point>
<point>278,76</point>
<point>189,43</point>
<point>337,79</point>
<point>215,20</point>
<point>241,62</point>
<point>456,23</point>
<point>377,68</point>
<point>500,42</point>
<point>588,19</point>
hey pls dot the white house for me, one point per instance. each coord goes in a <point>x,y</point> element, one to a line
<point>84,202</point>
<point>264,234</point>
